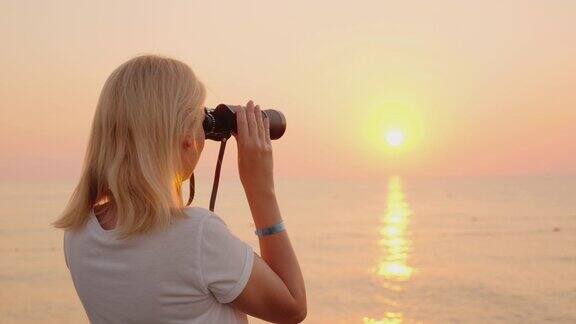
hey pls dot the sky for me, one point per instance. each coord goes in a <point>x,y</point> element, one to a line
<point>474,88</point>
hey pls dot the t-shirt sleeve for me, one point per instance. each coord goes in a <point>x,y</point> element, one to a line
<point>226,261</point>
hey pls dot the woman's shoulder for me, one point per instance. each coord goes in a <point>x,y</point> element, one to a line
<point>198,213</point>
<point>200,226</point>
<point>197,216</point>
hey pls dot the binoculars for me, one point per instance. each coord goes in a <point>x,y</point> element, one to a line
<point>220,122</point>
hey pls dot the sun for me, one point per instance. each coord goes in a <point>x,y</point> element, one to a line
<point>394,137</point>
<point>393,129</point>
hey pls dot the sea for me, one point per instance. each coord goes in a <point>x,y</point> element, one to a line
<point>393,250</point>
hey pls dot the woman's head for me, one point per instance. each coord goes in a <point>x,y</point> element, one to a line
<point>146,139</point>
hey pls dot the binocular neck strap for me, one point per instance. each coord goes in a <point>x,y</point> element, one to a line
<point>216,178</point>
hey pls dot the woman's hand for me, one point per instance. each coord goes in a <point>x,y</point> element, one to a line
<point>254,150</point>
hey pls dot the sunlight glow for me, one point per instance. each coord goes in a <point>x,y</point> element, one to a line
<point>394,137</point>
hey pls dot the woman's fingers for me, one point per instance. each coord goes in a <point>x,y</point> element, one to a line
<point>252,126</point>
<point>241,123</point>
<point>259,123</point>
<point>267,129</point>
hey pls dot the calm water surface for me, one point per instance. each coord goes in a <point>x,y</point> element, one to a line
<point>391,251</point>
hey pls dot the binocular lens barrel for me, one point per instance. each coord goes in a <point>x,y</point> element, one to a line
<point>220,122</point>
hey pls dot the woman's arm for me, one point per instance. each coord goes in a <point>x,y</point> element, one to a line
<point>275,291</point>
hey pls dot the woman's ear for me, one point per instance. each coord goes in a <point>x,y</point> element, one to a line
<point>187,142</point>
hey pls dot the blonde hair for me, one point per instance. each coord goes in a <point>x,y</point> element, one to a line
<point>133,156</point>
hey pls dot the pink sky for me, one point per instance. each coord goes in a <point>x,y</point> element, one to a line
<point>489,83</point>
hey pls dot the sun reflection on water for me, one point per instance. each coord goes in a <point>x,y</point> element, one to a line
<point>394,263</point>
<point>393,267</point>
<point>389,318</point>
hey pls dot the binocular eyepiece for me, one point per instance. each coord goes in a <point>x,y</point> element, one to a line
<point>220,122</point>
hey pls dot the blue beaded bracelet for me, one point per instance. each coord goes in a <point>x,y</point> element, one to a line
<point>270,230</point>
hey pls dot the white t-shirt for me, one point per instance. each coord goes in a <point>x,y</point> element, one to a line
<point>185,274</point>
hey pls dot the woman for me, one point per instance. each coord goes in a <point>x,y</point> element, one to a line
<point>136,254</point>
